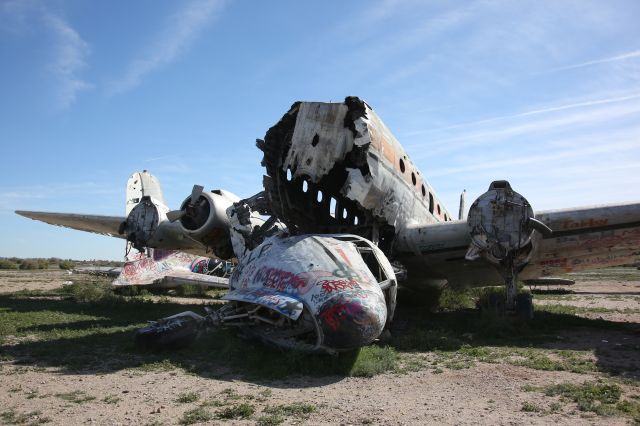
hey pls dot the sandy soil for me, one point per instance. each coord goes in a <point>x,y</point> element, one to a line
<point>482,394</point>
<point>48,279</point>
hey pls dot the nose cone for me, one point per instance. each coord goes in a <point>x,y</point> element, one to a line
<point>352,319</point>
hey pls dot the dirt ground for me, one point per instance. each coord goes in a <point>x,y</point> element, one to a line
<point>484,393</point>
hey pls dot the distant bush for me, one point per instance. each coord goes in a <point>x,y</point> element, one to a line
<point>29,264</point>
<point>7,264</point>
<point>66,264</point>
<point>43,264</point>
<point>91,292</point>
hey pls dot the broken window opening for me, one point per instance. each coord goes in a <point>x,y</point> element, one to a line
<point>424,191</point>
<point>289,175</point>
<point>439,209</point>
<point>355,220</point>
<point>401,165</point>
<point>345,213</point>
<point>431,203</point>
<point>333,207</point>
<point>305,186</point>
<point>413,178</point>
<point>319,196</point>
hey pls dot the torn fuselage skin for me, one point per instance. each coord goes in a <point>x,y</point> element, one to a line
<point>335,167</point>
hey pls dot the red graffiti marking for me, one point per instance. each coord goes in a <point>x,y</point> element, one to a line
<point>131,269</point>
<point>333,316</point>
<point>628,237</point>
<point>329,286</point>
<point>585,223</point>
<point>278,279</point>
<point>554,262</point>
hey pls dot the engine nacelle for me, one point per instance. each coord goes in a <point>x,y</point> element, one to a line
<point>499,225</point>
<point>143,222</point>
<point>206,220</point>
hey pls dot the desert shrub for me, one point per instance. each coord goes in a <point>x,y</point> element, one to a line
<point>7,264</point>
<point>29,265</point>
<point>91,292</point>
<point>66,264</point>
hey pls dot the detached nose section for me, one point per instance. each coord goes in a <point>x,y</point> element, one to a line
<point>352,319</point>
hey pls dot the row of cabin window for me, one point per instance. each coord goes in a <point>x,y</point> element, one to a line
<point>424,191</point>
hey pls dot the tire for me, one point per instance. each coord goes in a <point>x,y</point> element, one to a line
<point>176,333</point>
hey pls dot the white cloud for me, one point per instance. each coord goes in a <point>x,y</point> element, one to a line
<point>70,52</point>
<point>622,57</point>
<point>182,29</point>
<point>576,118</point>
<point>542,110</point>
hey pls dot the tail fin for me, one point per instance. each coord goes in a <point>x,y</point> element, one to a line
<point>141,184</point>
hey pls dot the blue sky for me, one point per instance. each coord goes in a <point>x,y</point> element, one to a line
<point>545,94</point>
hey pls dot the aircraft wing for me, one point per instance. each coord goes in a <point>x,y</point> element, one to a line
<point>104,225</point>
<point>582,238</point>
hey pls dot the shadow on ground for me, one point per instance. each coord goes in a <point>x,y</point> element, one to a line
<point>96,338</point>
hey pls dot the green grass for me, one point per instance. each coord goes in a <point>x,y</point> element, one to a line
<point>239,411</point>
<point>13,417</point>
<point>190,290</point>
<point>77,397</point>
<point>111,399</point>
<point>270,420</point>
<point>619,273</point>
<point>373,360</point>
<point>529,407</point>
<point>87,327</point>
<point>574,310</point>
<point>195,415</point>
<point>600,398</point>
<point>297,409</point>
<point>187,397</point>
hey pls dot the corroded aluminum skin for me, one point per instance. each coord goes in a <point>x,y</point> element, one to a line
<point>583,238</point>
<point>321,274</point>
<point>320,139</point>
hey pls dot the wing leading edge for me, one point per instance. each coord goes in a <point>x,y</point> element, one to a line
<point>104,225</point>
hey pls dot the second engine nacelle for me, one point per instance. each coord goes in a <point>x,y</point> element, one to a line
<point>205,220</point>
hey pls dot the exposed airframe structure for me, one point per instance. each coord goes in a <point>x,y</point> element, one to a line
<point>348,216</point>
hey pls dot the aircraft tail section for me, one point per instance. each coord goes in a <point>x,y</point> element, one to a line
<point>139,185</point>
<point>142,184</point>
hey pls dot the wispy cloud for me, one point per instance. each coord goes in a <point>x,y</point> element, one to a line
<point>616,58</point>
<point>182,29</point>
<point>538,111</point>
<point>577,117</point>
<point>70,52</point>
<point>67,50</point>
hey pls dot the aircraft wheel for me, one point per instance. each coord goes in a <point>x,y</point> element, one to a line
<point>176,333</point>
